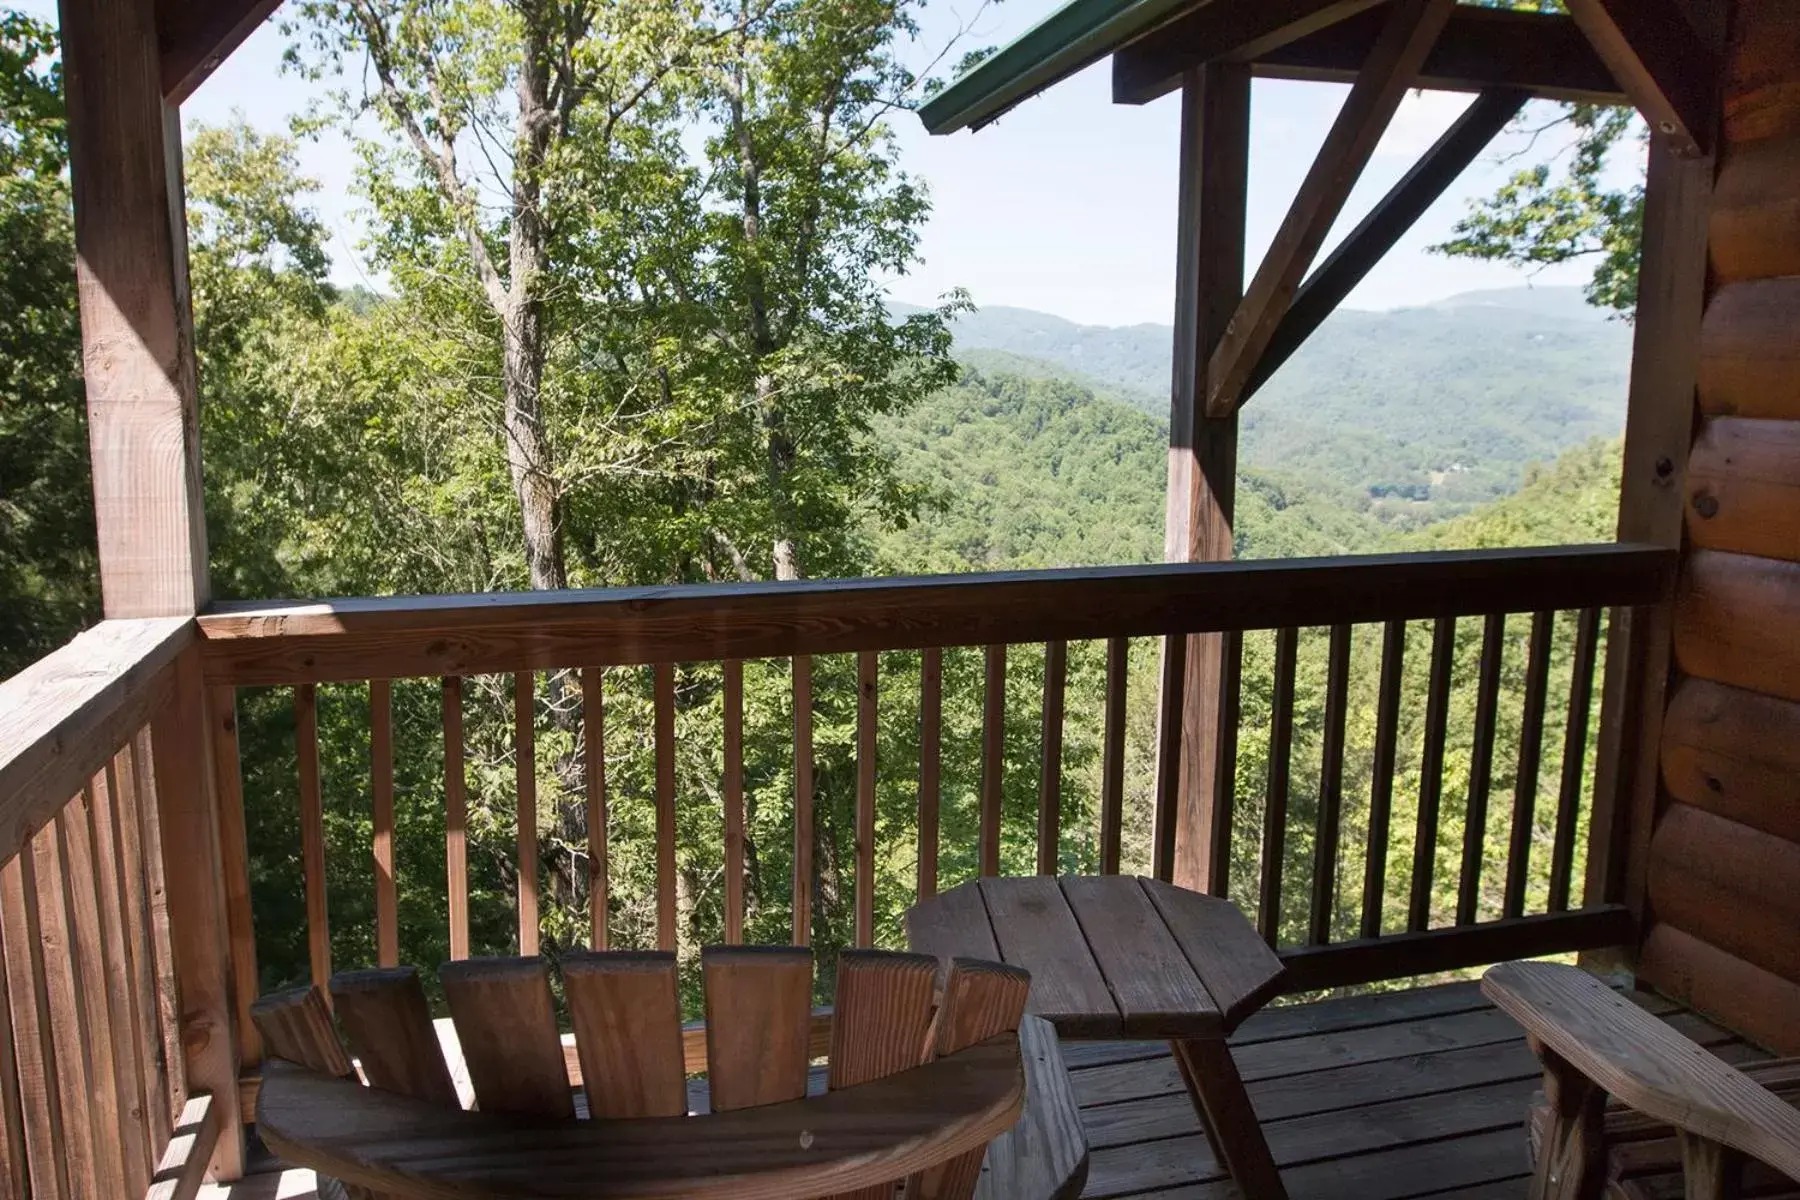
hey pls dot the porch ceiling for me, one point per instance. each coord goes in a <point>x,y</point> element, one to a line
<point>1153,41</point>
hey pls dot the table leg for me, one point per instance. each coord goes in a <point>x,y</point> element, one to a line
<point>1224,1109</point>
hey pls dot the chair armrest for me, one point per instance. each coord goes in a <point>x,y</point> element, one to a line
<point>1643,1063</point>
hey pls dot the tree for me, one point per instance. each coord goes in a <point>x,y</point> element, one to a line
<point>1562,209</point>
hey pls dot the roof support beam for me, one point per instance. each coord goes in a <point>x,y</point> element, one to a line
<point>195,36</point>
<point>1394,62</point>
<point>1234,29</point>
<point>1398,212</point>
<point>1670,74</point>
<point>1545,54</point>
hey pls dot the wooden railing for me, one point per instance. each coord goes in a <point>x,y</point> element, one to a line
<point>104,1003</point>
<point>1106,626</point>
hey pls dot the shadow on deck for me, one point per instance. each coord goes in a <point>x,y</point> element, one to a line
<point>1382,1097</point>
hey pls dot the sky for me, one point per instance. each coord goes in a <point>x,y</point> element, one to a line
<point>1066,205</point>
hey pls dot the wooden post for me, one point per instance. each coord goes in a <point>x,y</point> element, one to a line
<point>143,428</point>
<point>1659,427</point>
<point>136,322</point>
<point>1209,282</point>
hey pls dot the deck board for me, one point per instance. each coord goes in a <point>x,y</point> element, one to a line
<point>1397,1096</point>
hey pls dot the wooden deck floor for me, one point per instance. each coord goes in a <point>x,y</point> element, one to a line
<point>1404,1094</point>
<point>1416,1093</point>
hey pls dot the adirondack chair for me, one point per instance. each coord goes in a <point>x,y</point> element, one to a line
<point>919,1083</point>
<point>1679,1119</point>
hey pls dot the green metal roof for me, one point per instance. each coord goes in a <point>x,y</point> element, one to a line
<point>1080,33</point>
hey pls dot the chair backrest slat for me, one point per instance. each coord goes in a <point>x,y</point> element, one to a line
<point>296,1025</point>
<point>505,1022</point>
<point>758,1016</point>
<point>981,1000</point>
<point>388,1024</point>
<point>881,1024</point>
<point>626,1012</point>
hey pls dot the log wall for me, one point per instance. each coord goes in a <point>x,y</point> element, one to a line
<point>1724,863</point>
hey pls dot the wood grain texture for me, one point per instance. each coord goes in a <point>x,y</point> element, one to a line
<point>181,1171</point>
<point>982,1000</point>
<point>1224,792</point>
<point>1531,753</point>
<point>1695,972</point>
<point>506,1024</point>
<point>1737,621</point>
<point>381,793</point>
<point>954,924</point>
<point>1381,776</point>
<point>838,1142</point>
<point>195,37</point>
<point>134,811</point>
<point>802,885</point>
<point>1154,65</point>
<point>234,856</point>
<point>758,1017</point>
<point>136,319</point>
<point>388,1025</point>
<point>1762,97</point>
<point>296,1025</point>
<point>1750,349</point>
<point>1154,987</point>
<point>1044,1156</point>
<point>1644,1063</point>
<point>1218,1093</point>
<point>665,807</point>
<point>993,758</point>
<point>627,1020</point>
<point>1049,832</point>
<point>931,732</point>
<point>1755,215</point>
<point>185,867</point>
<point>1735,886</point>
<point>1239,970</point>
<point>14,1165</point>
<point>525,806</point>
<point>867,736</point>
<point>62,717</point>
<point>593,770</point>
<point>1735,754</point>
<point>34,1048</point>
<point>1395,58</point>
<point>733,797</point>
<point>67,1006</point>
<point>1171,722</point>
<point>140,1090</point>
<point>1112,768</point>
<point>457,635</point>
<point>312,832</point>
<point>1481,767</point>
<point>1331,788</point>
<point>1743,487</point>
<point>883,1016</point>
<point>167,1026</point>
<point>1037,932</point>
<point>456,816</point>
<point>1670,73</point>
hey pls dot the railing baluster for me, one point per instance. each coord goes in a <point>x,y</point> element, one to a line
<point>803,800</point>
<point>120,955</point>
<point>593,760</point>
<point>931,734</point>
<point>1431,772</point>
<point>1281,741</point>
<point>13,1144</point>
<point>525,777</point>
<point>1481,767</point>
<point>68,1018</point>
<point>312,833</point>
<point>1331,786</point>
<point>85,948</point>
<point>1112,760</point>
<point>381,792</point>
<point>993,759</point>
<point>156,913</point>
<point>1574,764</point>
<point>1168,757</point>
<point>456,815</point>
<point>733,705</point>
<point>128,801</point>
<point>1381,784</point>
<point>665,806</point>
<point>35,1049</point>
<point>1056,678</point>
<point>234,856</point>
<point>1531,749</point>
<point>1224,800</point>
<point>868,665</point>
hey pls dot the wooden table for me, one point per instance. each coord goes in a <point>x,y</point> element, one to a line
<point>1116,957</point>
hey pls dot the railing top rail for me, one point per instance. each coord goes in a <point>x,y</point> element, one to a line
<point>354,639</point>
<point>65,715</point>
